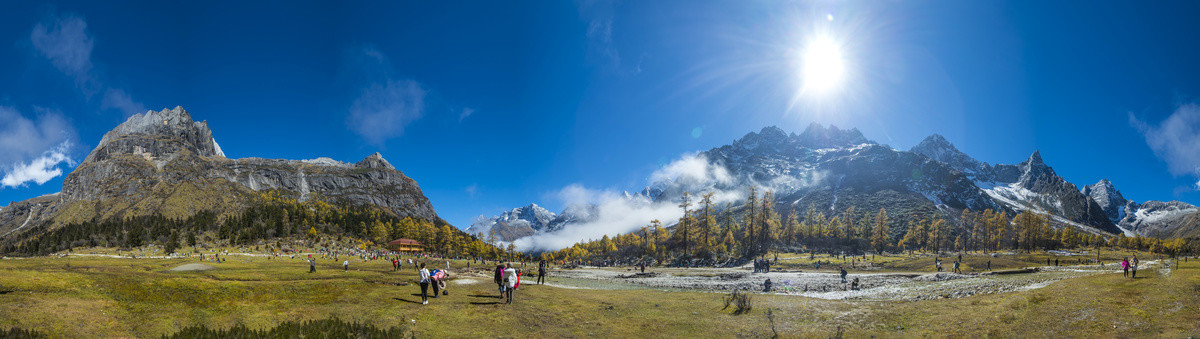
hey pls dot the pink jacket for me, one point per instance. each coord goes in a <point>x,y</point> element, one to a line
<point>1125,265</point>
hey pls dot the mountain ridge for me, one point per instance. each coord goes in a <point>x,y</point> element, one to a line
<point>166,163</point>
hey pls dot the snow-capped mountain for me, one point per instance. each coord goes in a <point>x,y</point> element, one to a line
<point>1030,185</point>
<point>831,169</point>
<point>1150,218</point>
<point>528,220</point>
<point>1109,199</point>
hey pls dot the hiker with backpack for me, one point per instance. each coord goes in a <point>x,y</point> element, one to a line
<point>512,279</point>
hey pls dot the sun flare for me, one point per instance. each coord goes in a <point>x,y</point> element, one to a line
<point>823,66</point>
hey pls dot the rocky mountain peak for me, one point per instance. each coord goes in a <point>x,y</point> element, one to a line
<point>816,136</point>
<point>374,161</point>
<point>1109,199</point>
<point>1035,159</point>
<point>160,134</point>
<point>938,148</point>
<point>1036,173</point>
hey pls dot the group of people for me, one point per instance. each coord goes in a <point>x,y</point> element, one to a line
<point>1127,265</point>
<point>762,266</point>
<point>435,278</point>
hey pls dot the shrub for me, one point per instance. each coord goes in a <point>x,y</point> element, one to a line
<point>740,301</point>
<point>327,328</point>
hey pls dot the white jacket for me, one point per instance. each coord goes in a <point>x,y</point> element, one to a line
<point>510,277</point>
<point>424,276</point>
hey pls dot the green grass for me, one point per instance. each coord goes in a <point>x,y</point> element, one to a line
<point>103,297</point>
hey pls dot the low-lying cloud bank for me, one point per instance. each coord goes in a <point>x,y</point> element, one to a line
<point>618,212</point>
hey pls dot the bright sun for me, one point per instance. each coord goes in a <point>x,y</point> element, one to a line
<point>824,69</point>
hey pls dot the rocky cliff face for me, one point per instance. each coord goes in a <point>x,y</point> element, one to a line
<point>164,162</point>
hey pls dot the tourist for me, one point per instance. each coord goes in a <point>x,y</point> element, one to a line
<point>843,271</point>
<point>767,285</point>
<point>424,282</point>
<point>956,270</point>
<point>542,272</point>
<point>499,278</point>
<point>312,266</point>
<point>346,266</point>
<point>511,280</point>
<point>1135,265</point>
<point>989,265</point>
<point>1125,266</point>
<point>854,284</point>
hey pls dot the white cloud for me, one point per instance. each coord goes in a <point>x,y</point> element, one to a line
<point>692,170</point>
<point>22,139</point>
<point>472,190</point>
<point>39,170</point>
<point>118,99</point>
<point>66,43</point>
<point>383,110</point>
<point>1176,139</point>
<point>466,112</point>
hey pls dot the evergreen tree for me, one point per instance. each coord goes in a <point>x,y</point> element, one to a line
<point>879,237</point>
<point>685,203</point>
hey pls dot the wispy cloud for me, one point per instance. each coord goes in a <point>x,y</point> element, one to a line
<point>472,190</point>
<point>466,112</point>
<point>119,100</point>
<point>67,44</point>
<point>1176,139</point>
<point>599,17</point>
<point>31,150</point>
<point>385,106</point>
<point>383,110</point>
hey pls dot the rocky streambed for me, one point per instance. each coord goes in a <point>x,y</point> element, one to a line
<point>824,284</point>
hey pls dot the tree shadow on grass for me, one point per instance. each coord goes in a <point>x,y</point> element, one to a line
<point>5,292</point>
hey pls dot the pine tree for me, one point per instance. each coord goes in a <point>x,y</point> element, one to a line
<point>750,217</point>
<point>879,237</point>
<point>707,221</point>
<point>685,203</point>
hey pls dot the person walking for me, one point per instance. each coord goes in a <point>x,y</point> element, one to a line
<point>1135,265</point>
<point>542,272</point>
<point>843,272</point>
<point>312,266</point>
<point>346,266</point>
<point>511,279</point>
<point>424,282</point>
<point>498,278</point>
<point>956,270</point>
<point>1125,266</point>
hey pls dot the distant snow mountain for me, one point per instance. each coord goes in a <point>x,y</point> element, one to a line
<point>530,219</point>
<point>831,169</point>
<point>1150,218</point>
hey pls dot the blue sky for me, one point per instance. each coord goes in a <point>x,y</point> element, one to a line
<point>493,105</point>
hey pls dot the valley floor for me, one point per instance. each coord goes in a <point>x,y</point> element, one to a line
<point>93,296</point>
